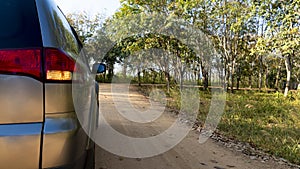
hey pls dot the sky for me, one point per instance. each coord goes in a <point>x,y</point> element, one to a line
<point>108,7</point>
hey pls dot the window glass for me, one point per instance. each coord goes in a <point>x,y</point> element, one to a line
<point>19,24</point>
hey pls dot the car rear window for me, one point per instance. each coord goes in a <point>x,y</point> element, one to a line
<point>19,26</point>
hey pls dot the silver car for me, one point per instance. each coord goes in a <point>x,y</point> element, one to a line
<point>38,124</point>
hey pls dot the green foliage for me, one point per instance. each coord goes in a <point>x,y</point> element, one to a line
<point>254,38</point>
<point>85,25</point>
<point>279,32</point>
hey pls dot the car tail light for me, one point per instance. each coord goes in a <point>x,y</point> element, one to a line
<point>21,61</point>
<point>58,65</point>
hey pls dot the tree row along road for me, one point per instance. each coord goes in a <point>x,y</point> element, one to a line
<point>189,154</point>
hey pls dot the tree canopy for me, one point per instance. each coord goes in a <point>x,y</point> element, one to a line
<point>257,42</point>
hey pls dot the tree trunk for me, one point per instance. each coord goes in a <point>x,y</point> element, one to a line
<point>231,81</point>
<point>239,77</point>
<point>204,77</point>
<point>139,77</point>
<point>238,82</point>
<point>250,76</point>
<point>266,78</point>
<point>181,80</point>
<point>125,70</point>
<point>145,76</point>
<point>205,80</point>
<point>277,77</point>
<point>250,81</point>
<point>288,66</point>
<point>198,76</point>
<point>167,76</point>
<point>110,74</point>
<point>260,73</point>
<point>226,79</point>
<point>232,76</point>
<point>153,76</point>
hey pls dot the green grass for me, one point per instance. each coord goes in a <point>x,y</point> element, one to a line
<point>267,121</point>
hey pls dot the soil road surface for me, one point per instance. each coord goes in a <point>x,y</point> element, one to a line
<point>188,154</point>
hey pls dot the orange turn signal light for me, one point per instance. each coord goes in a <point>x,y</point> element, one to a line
<point>59,75</point>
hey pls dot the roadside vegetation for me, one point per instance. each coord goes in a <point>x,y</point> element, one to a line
<point>266,120</point>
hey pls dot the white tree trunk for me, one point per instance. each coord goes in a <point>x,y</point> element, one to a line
<point>288,75</point>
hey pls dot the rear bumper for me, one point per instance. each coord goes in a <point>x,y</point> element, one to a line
<point>64,142</point>
<point>88,158</point>
<point>20,145</point>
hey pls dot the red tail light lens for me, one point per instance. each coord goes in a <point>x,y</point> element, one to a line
<point>58,65</point>
<point>21,61</point>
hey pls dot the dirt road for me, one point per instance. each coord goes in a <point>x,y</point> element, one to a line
<point>188,154</point>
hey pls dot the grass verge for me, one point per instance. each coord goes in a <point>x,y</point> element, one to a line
<point>265,120</point>
<point>268,121</point>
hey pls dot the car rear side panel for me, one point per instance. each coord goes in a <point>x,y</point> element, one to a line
<point>58,98</point>
<point>64,141</point>
<point>21,97</point>
<point>21,100</point>
<point>21,117</point>
<point>20,146</point>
